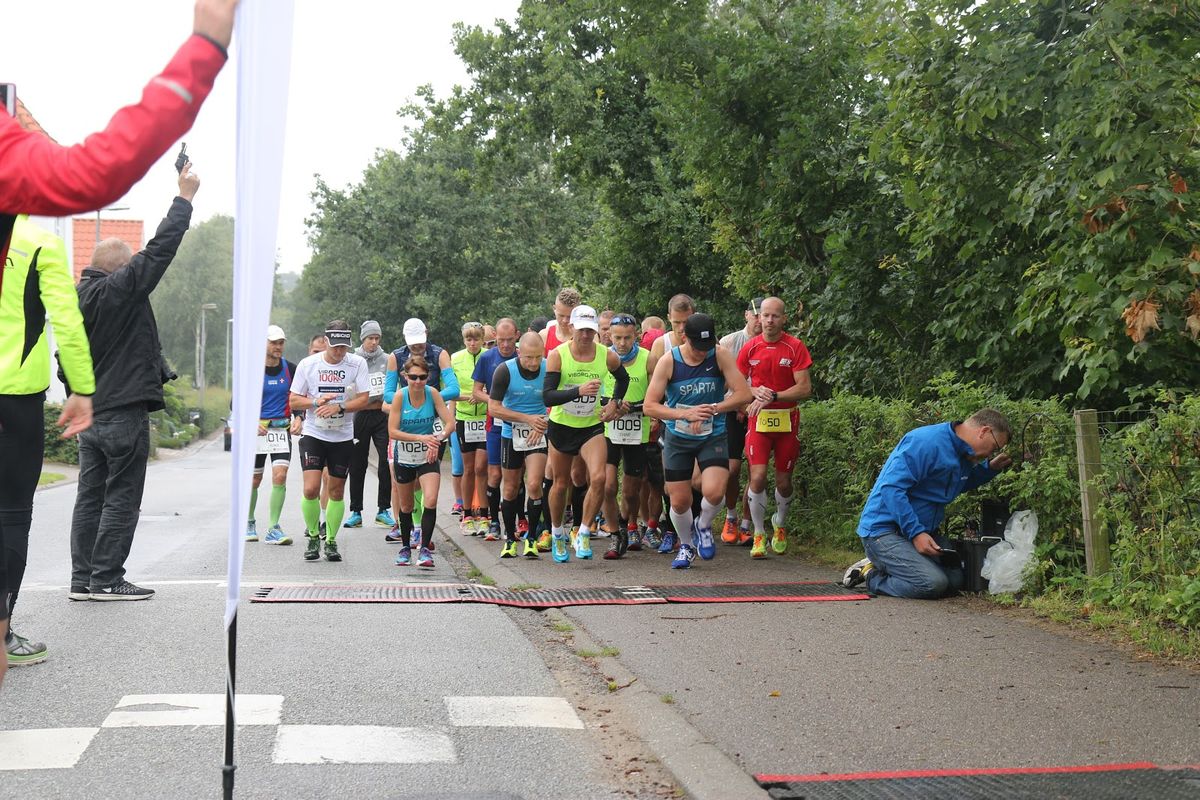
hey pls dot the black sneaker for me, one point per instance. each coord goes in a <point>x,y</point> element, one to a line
<point>122,590</point>
<point>331,551</point>
<point>79,592</point>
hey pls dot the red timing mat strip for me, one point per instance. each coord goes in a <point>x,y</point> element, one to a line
<point>946,773</point>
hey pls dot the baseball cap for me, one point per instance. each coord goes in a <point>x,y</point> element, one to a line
<point>414,331</point>
<point>649,336</point>
<point>275,333</point>
<point>701,331</point>
<point>584,317</point>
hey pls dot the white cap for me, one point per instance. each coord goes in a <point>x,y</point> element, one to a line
<point>414,331</point>
<point>275,333</point>
<point>584,317</point>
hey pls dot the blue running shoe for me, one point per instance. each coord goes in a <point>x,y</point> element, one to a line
<point>653,537</point>
<point>404,557</point>
<point>276,536</point>
<point>704,541</point>
<point>251,532</point>
<point>425,559</point>
<point>687,554</point>
<point>384,519</point>
<point>583,545</point>
<point>558,548</point>
<point>393,535</point>
<point>353,521</point>
<point>669,540</point>
<point>417,538</point>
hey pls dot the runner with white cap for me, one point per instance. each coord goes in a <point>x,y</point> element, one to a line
<point>274,436</point>
<point>577,423</point>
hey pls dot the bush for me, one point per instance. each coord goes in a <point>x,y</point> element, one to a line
<point>58,449</point>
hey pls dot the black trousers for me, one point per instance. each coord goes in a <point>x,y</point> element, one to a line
<point>112,476</point>
<point>370,427</point>
<point>22,446</point>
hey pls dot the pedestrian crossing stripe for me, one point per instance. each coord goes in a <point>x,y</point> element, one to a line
<point>160,710</point>
<point>44,748</point>
<point>361,744</point>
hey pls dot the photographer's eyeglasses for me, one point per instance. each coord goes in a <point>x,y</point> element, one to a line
<point>998,448</point>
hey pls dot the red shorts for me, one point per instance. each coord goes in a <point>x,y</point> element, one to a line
<point>784,446</point>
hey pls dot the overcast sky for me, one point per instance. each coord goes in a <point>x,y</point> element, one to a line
<point>354,63</point>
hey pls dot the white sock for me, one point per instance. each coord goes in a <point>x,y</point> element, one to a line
<point>556,531</point>
<point>584,530</point>
<point>683,524</point>
<point>707,512</point>
<point>758,510</point>
<point>781,508</point>
<point>730,515</point>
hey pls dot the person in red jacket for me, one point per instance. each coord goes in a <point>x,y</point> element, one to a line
<point>40,177</point>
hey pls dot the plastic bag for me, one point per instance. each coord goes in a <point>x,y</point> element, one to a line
<point>1006,561</point>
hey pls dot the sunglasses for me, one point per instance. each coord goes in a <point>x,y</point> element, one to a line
<point>623,319</point>
<point>490,343</point>
<point>416,376</point>
<point>470,326</point>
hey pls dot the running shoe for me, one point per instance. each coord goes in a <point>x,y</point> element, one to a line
<point>729,534</point>
<point>857,573</point>
<point>635,539</point>
<point>669,541</point>
<point>510,549</point>
<point>79,592</point>
<point>530,549</point>
<point>493,532</point>
<point>745,537</point>
<point>425,558</point>
<point>331,551</point>
<point>685,557</point>
<point>384,519</point>
<point>522,528</point>
<point>583,545</point>
<point>323,529</point>
<point>276,536</point>
<point>611,553</point>
<point>544,543</point>
<point>704,541</point>
<point>653,538</point>
<point>759,550</point>
<point>394,535</point>
<point>353,521</point>
<point>467,525</point>
<point>622,537</point>
<point>22,652</point>
<point>457,508</point>
<point>558,547</point>
<point>574,535</point>
<point>251,532</point>
<point>122,590</point>
<point>415,538</point>
<point>404,557</point>
<point>779,540</point>
<point>312,550</point>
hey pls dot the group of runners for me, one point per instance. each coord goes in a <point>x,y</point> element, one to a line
<point>577,429</point>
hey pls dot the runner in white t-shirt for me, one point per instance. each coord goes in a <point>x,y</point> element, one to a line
<point>329,387</point>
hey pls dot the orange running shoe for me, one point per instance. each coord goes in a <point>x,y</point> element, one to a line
<point>729,534</point>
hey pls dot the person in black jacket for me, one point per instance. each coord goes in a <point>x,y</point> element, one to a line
<point>114,296</point>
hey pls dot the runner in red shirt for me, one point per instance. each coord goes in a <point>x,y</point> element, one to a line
<point>776,365</point>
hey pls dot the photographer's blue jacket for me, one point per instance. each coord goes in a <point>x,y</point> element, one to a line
<point>928,468</point>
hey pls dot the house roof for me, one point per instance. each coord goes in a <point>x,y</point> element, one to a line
<point>83,238</point>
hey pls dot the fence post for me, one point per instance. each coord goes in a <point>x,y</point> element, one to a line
<point>1087,450</point>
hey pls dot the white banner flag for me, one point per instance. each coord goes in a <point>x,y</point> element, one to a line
<point>264,57</point>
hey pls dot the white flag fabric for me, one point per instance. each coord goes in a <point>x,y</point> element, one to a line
<point>264,56</point>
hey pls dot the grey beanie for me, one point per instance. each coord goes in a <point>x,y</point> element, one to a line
<point>369,328</point>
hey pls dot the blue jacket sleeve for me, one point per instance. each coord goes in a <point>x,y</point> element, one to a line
<point>900,472</point>
<point>391,382</point>
<point>981,474</point>
<point>450,387</point>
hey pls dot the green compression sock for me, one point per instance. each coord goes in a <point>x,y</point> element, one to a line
<point>253,502</point>
<point>334,513</point>
<point>311,509</point>
<point>277,495</point>
<point>418,507</point>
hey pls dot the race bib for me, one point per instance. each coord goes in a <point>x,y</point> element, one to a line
<point>520,439</point>
<point>581,406</point>
<point>335,395</point>
<point>684,427</point>
<point>475,430</point>
<point>275,441</point>
<point>774,420</point>
<point>627,429</point>
<point>410,454</point>
<point>376,381</point>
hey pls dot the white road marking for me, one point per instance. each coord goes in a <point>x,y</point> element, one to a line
<point>46,748</point>
<point>512,712</point>
<point>193,709</point>
<point>360,744</point>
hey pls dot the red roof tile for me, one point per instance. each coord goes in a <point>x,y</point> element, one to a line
<point>83,237</point>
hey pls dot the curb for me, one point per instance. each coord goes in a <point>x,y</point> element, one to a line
<point>703,770</point>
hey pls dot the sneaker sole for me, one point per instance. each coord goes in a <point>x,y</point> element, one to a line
<point>78,596</point>
<point>27,661</point>
<point>426,566</point>
<point>108,598</point>
<point>281,542</point>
